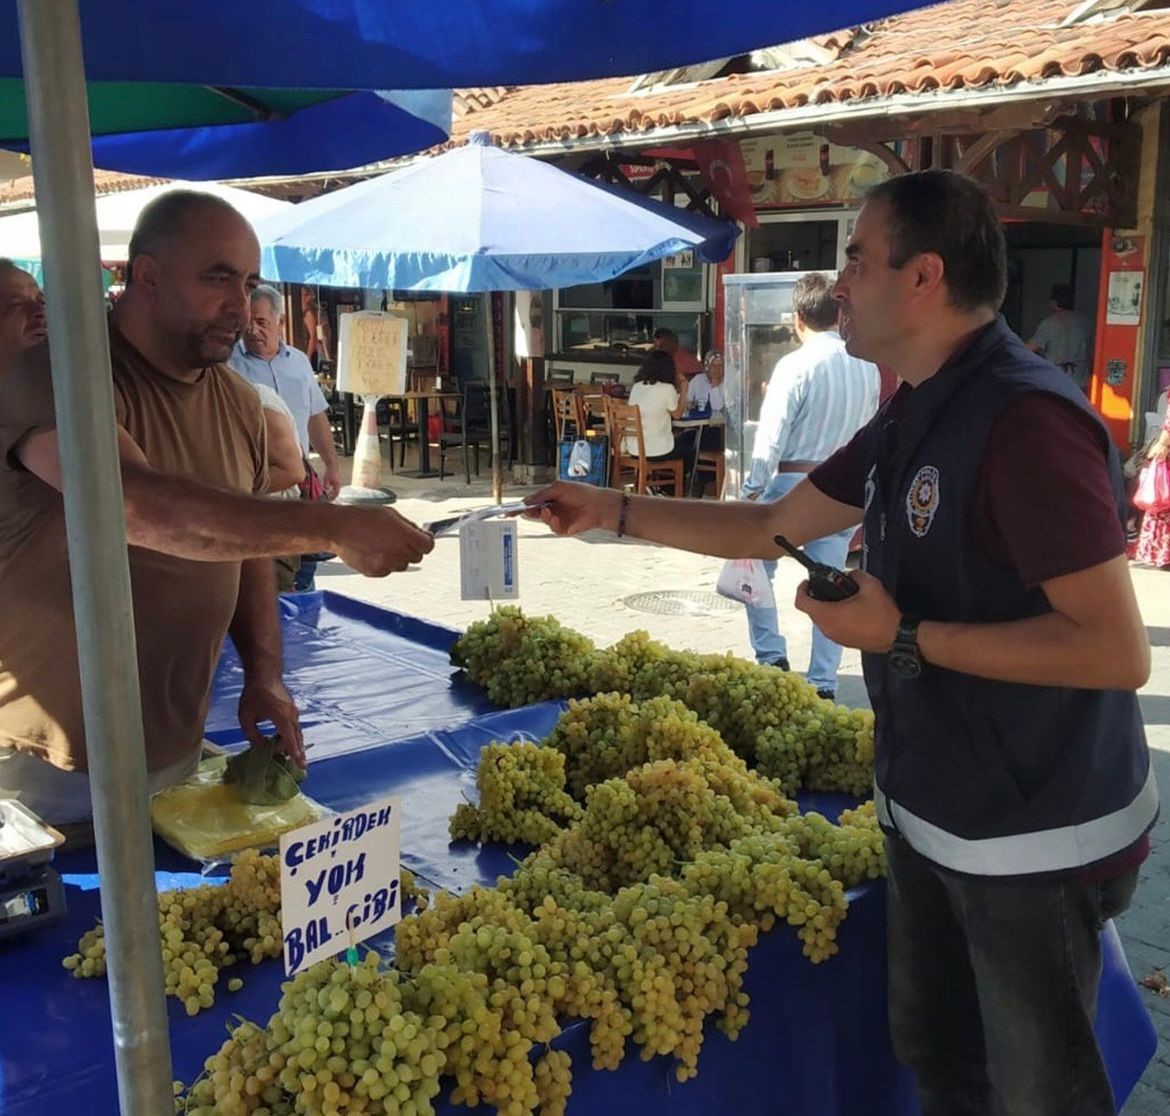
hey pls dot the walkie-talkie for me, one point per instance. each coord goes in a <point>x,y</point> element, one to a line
<point>824,582</point>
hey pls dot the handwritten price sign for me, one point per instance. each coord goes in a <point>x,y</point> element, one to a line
<point>339,882</point>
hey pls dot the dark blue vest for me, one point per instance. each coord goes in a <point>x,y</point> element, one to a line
<point>991,778</point>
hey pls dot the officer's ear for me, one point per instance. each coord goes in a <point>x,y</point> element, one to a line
<point>929,273</point>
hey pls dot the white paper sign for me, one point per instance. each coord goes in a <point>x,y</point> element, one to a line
<point>339,882</point>
<point>371,353</point>
<point>488,564</point>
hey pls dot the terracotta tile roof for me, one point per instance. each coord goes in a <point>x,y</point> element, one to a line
<point>19,191</point>
<point>962,44</point>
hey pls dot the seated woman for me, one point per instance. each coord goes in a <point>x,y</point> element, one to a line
<point>705,390</point>
<point>659,397</point>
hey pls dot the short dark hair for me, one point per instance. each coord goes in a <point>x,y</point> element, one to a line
<point>165,217</point>
<point>951,215</point>
<point>657,368</point>
<point>813,301</point>
<point>1062,295</point>
<point>664,334</point>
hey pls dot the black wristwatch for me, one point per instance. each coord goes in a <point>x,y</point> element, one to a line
<point>905,658</point>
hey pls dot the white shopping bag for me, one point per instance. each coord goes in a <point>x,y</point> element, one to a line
<point>745,580</point>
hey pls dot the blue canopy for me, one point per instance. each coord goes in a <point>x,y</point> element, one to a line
<point>479,219</point>
<point>356,44</point>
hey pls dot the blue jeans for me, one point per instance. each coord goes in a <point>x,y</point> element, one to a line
<point>764,623</point>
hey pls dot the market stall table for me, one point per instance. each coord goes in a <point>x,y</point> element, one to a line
<point>817,1037</point>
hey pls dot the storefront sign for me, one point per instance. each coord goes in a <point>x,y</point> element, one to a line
<point>339,883</point>
<point>803,169</point>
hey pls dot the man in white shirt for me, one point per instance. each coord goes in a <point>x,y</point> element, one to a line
<point>261,357</point>
<point>817,399</point>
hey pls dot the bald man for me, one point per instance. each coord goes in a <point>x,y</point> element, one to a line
<point>194,465</point>
<point>22,311</point>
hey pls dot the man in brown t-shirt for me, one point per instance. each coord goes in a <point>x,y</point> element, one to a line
<point>193,449</point>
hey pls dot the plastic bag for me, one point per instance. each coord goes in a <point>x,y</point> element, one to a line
<point>204,817</point>
<point>1153,490</point>
<point>745,580</point>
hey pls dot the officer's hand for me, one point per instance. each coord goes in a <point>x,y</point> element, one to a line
<point>379,541</point>
<point>868,620</point>
<point>574,507</point>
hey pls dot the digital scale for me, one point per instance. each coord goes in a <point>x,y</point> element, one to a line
<point>31,895</point>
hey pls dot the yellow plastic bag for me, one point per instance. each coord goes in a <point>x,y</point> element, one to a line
<point>203,817</point>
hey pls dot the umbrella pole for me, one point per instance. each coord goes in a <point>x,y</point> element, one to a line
<point>493,401</point>
<point>54,79</point>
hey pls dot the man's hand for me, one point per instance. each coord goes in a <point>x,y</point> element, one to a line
<point>574,507</point>
<point>379,541</point>
<point>331,482</point>
<point>266,699</point>
<point>868,620</point>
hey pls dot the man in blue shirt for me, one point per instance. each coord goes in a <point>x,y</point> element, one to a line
<point>262,357</point>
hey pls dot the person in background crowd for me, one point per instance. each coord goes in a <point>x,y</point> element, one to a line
<point>659,396</point>
<point>817,399</point>
<point>22,311</point>
<point>193,449</point>
<point>286,470</point>
<point>1063,337</point>
<point>705,389</point>
<point>686,364</point>
<point>262,357</point>
<point>1153,548</point>
<point>1002,647</point>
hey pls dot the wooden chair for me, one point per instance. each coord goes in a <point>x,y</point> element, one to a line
<point>622,421</point>
<point>710,463</point>
<point>469,426</point>
<point>568,409</point>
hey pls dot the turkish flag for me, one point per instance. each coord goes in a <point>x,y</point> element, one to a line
<point>721,164</point>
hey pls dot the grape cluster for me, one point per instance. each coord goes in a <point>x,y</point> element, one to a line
<point>522,797</point>
<point>773,719</point>
<point>520,659</point>
<point>204,930</point>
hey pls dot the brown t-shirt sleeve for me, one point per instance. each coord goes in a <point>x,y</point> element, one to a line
<point>26,405</point>
<point>1045,502</point>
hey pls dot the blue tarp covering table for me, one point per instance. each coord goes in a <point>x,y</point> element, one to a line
<point>816,1044</point>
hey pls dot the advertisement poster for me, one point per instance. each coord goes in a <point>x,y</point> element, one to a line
<point>803,169</point>
<point>1125,298</point>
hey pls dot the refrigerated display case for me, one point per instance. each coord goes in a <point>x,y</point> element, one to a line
<point>759,328</point>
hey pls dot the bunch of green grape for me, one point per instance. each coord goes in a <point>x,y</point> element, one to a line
<point>522,797</point>
<point>204,930</point>
<point>520,659</point>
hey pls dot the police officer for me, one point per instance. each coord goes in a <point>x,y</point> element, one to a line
<point>1002,648</point>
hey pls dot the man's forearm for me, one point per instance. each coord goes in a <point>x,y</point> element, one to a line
<point>1048,650</point>
<point>187,519</point>
<point>321,439</point>
<point>255,627</point>
<point>735,529</point>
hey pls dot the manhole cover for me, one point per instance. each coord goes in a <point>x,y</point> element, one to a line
<point>680,602</point>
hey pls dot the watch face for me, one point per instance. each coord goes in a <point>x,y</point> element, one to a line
<point>904,664</point>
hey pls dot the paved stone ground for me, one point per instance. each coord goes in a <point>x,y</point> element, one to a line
<point>585,581</point>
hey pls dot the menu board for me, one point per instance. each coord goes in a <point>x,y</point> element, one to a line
<point>371,353</point>
<point>802,169</point>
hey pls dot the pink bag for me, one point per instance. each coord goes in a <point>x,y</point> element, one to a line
<point>1153,490</point>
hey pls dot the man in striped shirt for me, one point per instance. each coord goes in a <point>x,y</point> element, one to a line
<point>817,399</point>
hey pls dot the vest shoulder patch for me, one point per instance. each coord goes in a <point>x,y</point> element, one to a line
<point>922,500</point>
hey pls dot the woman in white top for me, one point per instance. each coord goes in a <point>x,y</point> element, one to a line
<point>657,395</point>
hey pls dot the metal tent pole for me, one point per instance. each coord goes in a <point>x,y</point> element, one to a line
<point>493,400</point>
<point>54,79</point>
